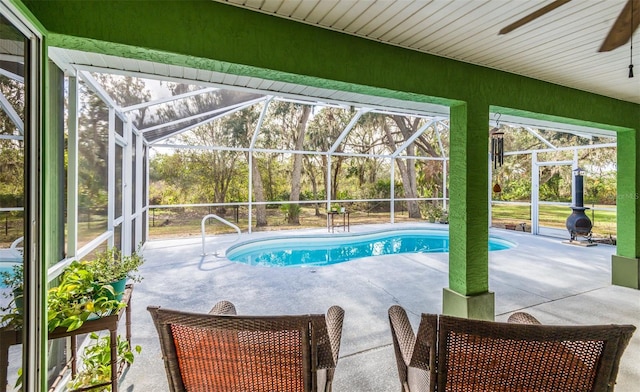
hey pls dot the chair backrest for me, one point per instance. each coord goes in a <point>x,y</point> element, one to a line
<point>489,356</point>
<point>209,352</point>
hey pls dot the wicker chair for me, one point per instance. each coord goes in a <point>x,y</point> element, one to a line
<point>455,354</point>
<point>222,351</point>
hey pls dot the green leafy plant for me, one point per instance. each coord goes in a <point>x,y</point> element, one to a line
<point>96,362</point>
<point>444,216</point>
<point>111,265</point>
<point>14,281</point>
<point>433,212</point>
<point>77,297</point>
<point>291,210</point>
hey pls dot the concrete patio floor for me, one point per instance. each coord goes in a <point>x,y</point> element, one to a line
<point>556,282</point>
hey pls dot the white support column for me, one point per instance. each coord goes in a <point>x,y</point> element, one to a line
<point>490,190</point>
<point>111,174</point>
<point>127,189</point>
<point>72,169</point>
<point>535,193</point>
<point>392,207</point>
<point>328,185</point>
<point>139,187</point>
<point>444,186</point>
<point>146,178</point>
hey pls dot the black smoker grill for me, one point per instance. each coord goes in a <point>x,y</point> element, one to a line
<point>578,223</point>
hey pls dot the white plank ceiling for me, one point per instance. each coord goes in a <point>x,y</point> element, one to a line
<point>559,47</point>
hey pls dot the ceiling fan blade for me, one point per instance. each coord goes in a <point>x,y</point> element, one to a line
<point>533,15</point>
<point>622,29</point>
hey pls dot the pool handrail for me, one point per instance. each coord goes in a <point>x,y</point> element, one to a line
<point>14,244</point>
<point>222,220</point>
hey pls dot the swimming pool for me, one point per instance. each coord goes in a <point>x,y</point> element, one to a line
<point>6,268</point>
<point>328,249</point>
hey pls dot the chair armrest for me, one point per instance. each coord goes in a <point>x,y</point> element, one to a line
<point>523,318</point>
<point>335,318</point>
<point>223,308</point>
<point>404,338</point>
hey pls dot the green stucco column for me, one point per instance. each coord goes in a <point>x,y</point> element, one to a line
<point>468,292</point>
<point>625,264</point>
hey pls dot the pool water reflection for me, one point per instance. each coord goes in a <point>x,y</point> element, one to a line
<point>331,249</point>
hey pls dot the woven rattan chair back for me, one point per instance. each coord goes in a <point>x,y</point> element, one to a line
<point>456,354</point>
<point>212,352</point>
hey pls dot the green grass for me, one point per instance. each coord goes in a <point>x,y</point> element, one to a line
<point>604,222</point>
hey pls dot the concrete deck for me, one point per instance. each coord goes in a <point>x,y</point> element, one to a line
<point>557,283</point>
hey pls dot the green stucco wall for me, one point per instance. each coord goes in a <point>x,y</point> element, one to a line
<point>235,37</point>
<point>628,219</point>
<point>468,216</point>
<point>213,36</point>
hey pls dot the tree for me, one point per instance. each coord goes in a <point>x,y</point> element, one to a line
<point>242,126</point>
<point>93,148</point>
<point>324,130</point>
<point>291,120</point>
<point>407,167</point>
<point>11,150</point>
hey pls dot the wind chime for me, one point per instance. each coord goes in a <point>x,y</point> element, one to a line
<point>497,149</point>
<point>497,146</point>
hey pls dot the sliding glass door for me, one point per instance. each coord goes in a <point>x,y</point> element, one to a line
<point>22,275</point>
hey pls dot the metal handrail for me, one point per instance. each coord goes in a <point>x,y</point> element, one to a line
<point>226,222</point>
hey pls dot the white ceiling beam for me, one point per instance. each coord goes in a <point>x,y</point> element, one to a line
<point>169,99</point>
<point>348,129</point>
<point>12,58</point>
<point>539,137</point>
<point>571,148</point>
<point>11,112</point>
<point>97,88</point>
<point>263,114</point>
<point>413,137</point>
<point>278,151</point>
<point>227,111</point>
<point>11,137</point>
<point>11,75</point>
<point>241,105</point>
<point>442,123</point>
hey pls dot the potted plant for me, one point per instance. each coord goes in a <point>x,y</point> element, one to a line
<point>111,267</point>
<point>77,297</point>
<point>96,363</point>
<point>444,216</point>
<point>433,212</point>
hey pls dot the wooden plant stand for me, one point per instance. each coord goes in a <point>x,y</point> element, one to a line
<point>10,336</point>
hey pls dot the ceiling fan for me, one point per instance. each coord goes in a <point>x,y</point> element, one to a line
<point>620,33</point>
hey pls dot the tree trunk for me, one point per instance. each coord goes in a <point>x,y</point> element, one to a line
<point>408,173</point>
<point>258,194</point>
<point>409,184</point>
<point>314,183</point>
<point>296,173</point>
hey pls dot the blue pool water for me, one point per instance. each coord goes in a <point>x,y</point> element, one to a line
<point>5,267</point>
<point>331,249</point>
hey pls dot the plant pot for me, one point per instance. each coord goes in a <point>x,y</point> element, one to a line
<point>18,299</point>
<point>118,288</point>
